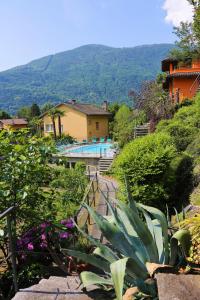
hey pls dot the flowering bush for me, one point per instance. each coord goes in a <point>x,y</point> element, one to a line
<point>40,239</point>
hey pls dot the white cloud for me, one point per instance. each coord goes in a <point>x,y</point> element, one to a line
<point>177,11</point>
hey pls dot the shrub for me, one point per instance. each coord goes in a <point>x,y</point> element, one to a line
<point>182,135</point>
<point>145,162</point>
<point>178,181</point>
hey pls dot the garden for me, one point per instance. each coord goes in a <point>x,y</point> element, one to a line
<point>44,196</point>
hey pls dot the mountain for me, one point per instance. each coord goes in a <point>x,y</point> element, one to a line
<point>90,73</point>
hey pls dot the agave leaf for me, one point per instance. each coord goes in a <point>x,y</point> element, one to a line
<point>90,259</point>
<point>177,218</point>
<point>148,222</point>
<point>157,214</point>
<point>118,270</point>
<point>113,234</point>
<point>120,219</point>
<point>159,240</point>
<point>90,278</point>
<point>132,237</point>
<point>182,239</point>
<point>100,252</point>
<point>107,252</point>
<point>143,233</point>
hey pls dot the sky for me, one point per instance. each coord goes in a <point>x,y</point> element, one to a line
<point>30,29</point>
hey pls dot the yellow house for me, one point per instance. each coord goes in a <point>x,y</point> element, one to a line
<point>13,124</point>
<point>81,121</point>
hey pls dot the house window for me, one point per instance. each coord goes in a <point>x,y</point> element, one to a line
<point>90,122</point>
<point>97,125</point>
<point>48,127</point>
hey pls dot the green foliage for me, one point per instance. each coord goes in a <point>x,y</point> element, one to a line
<point>184,126</point>
<point>182,135</point>
<point>46,106</point>
<point>89,73</point>
<point>24,112</point>
<point>4,115</point>
<point>65,139</point>
<point>143,235</point>
<point>69,186</point>
<point>178,181</point>
<point>188,33</point>
<point>34,110</point>
<point>124,124</point>
<point>145,162</point>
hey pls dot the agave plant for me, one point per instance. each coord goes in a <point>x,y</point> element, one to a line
<point>136,236</point>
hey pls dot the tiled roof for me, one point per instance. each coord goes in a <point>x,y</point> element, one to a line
<point>87,109</point>
<point>14,121</point>
<point>183,74</point>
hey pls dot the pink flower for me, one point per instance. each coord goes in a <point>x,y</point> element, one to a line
<point>64,235</point>
<point>30,246</point>
<point>43,245</point>
<point>43,237</point>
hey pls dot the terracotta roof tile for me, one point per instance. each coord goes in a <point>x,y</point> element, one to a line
<point>14,121</point>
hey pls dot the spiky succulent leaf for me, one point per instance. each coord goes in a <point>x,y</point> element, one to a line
<point>180,240</point>
<point>157,214</point>
<point>114,235</point>
<point>142,232</point>
<point>90,278</point>
<point>118,271</point>
<point>90,259</point>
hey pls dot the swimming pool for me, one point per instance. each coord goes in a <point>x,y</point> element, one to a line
<point>99,149</point>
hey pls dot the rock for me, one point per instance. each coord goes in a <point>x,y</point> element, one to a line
<point>178,287</point>
<point>130,293</point>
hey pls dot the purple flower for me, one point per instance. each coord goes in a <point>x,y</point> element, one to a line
<point>68,223</point>
<point>64,235</point>
<point>23,257</point>
<point>43,237</point>
<point>44,225</point>
<point>30,246</point>
<point>43,245</point>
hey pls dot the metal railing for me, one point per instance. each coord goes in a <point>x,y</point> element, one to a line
<point>12,251</point>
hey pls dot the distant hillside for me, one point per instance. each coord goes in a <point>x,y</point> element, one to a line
<point>90,73</point>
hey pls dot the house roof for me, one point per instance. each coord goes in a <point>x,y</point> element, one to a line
<point>166,63</point>
<point>183,74</point>
<point>87,109</point>
<point>13,121</point>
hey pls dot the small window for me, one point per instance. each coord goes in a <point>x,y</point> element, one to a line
<point>97,125</point>
<point>90,122</point>
<point>49,127</point>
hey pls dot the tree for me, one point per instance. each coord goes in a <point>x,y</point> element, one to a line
<point>154,102</point>
<point>47,106</point>
<point>53,114</point>
<point>35,110</point>
<point>60,114</point>
<point>124,124</point>
<point>24,112</point>
<point>35,125</point>
<point>188,33</point>
<point>4,115</point>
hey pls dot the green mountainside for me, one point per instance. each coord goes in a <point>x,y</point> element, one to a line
<point>90,73</point>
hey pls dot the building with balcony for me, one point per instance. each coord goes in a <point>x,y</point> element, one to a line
<point>183,80</point>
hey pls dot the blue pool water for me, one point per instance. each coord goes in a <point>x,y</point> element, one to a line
<point>100,148</point>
